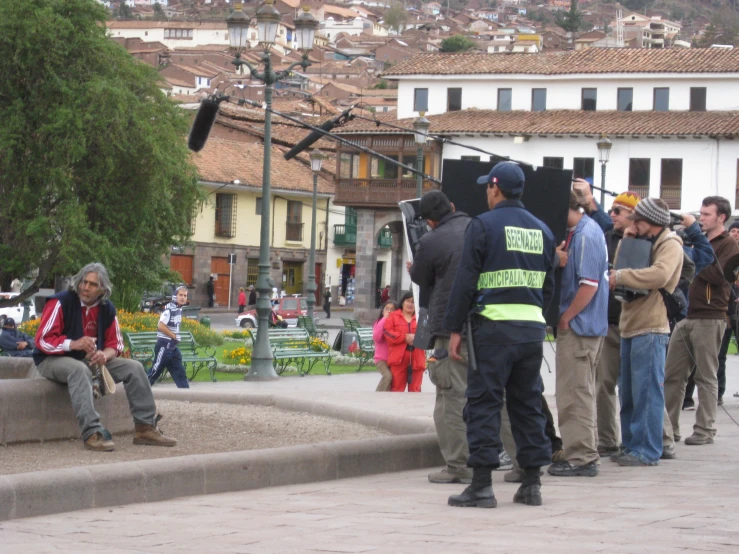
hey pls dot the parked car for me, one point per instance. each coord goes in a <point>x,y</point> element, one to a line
<point>16,312</point>
<point>155,301</point>
<point>288,308</point>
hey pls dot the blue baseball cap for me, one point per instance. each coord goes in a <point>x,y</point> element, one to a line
<point>507,175</point>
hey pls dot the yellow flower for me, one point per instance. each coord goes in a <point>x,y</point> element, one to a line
<point>242,361</point>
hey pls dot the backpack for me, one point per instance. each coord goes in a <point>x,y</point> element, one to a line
<point>675,303</point>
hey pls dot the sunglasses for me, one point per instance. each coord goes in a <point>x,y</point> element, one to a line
<point>618,210</point>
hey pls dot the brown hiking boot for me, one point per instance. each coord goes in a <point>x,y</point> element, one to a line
<point>150,435</point>
<point>98,443</point>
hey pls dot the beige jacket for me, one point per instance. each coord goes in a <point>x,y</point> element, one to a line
<point>648,314</point>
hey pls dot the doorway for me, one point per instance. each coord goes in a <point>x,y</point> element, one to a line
<point>220,270</point>
<point>292,277</point>
<point>379,285</point>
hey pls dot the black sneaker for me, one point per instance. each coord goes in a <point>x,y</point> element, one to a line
<point>568,470</point>
<point>689,406</point>
<point>720,400</point>
<point>605,451</point>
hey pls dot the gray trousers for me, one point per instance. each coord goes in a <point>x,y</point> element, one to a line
<point>78,378</point>
<point>450,378</point>
<point>606,398</point>
<point>699,340</point>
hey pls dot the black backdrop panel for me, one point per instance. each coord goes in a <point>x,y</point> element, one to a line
<point>546,195</point>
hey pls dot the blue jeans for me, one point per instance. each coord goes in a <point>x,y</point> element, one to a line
<point>642,394</point>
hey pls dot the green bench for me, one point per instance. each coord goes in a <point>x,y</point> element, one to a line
<point>141,346</point>
<point>293,347</point>
<point>309,324</point>
<point>366,343</point>
<point>350,324</point>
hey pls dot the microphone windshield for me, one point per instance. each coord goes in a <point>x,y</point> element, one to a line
<point>204,120</point>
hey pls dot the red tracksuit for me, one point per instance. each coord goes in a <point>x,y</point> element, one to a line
<point>399,354</point>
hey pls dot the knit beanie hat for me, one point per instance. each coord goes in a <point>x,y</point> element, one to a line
<point>734,225</point>
<point>652,210</point>
<point>627,200</point>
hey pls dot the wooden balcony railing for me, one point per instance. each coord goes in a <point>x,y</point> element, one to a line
<point>377,192</point>
<point>672,195</point>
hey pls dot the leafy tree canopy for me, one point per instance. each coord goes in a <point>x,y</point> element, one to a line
<point>457,43</point>
<point>571,21</point>
<point>396,17</point>
<point>93,161</point>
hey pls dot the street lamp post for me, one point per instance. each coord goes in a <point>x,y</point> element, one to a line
<point>268,20</point>
<point>604,152</point>
<point>316,157</point>
<point>420,134</point>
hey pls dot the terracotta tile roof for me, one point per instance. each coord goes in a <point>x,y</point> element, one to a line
<point>591,60</point>
<point>223,161</point>
<point>384,93</point>
<point>219,25</point>
<point>563,122</point>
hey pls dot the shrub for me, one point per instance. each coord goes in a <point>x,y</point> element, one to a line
<point>235,334</point>
<point>139,322</point>
<point>237,356</point>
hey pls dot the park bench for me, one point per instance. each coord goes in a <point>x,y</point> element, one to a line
<point>366,344</point>
<point>293,347</point>
<point>191,312</point>
<point>350,324</point>
<point>309,324</point>
<point>141,346</point>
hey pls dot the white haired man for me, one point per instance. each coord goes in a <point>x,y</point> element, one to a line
<point>79,329</point>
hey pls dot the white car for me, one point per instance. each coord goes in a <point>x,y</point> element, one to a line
<point>16,312</point>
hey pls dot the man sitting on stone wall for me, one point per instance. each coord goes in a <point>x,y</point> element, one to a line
<point>79,330</point>
<point>14,342</point>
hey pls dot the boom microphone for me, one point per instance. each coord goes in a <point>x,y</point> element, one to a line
<point>315,135</point>
<point>203,123</point>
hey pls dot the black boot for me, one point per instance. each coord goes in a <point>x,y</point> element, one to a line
<point>479,494</point>
<point>529,492</point>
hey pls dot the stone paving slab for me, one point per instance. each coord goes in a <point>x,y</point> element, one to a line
<point>684,505</point>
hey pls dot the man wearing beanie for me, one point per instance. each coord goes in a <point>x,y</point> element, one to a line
<point>435,267</point>
<point>609,363</point>
<point>645,332</point>
<point>697,338</point>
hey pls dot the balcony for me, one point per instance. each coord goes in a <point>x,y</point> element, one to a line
<point>377,193</point>
<point>385,240</point>
<point>672,196</point>
<point>345,235</point>
<point>294,232</point>
<point>641,190</point>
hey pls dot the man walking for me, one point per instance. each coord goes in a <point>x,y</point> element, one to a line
<point>505,281</point>
<point>78,331</point>
<point>435,267</point>
<point>210,288</point>
<point>582,325</point>
<point>697,338</point>
<point>645,332</point>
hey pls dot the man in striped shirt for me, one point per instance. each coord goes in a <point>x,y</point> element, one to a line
<point>582,325</point>
<point>79,331</point>
<point>166,354</point>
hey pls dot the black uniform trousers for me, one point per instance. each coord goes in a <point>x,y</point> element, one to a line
<point>513,370</point>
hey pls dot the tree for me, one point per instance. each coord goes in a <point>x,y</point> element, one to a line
<point>396,18</point>
<point>571,20</point>
<point>93,160</point>
<point>457,43</point>
<point>123,12</point>
<point>158,12</point>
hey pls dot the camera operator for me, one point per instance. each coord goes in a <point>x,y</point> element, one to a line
<point>697,338</point>
<point>609,363</point>
<point>645,331</point>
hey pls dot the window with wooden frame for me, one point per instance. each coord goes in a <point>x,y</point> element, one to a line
<point>225,215</point>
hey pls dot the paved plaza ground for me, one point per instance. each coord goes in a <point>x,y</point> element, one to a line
<point>685,505</point>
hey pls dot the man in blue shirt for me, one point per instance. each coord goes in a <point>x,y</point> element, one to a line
<point>583,323</point>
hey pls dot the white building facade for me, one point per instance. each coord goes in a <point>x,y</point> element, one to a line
<point>669,113</point>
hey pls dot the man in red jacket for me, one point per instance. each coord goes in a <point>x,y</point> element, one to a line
<point>79,331</point>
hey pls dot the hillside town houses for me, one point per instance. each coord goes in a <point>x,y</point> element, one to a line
<point>524,90</point>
